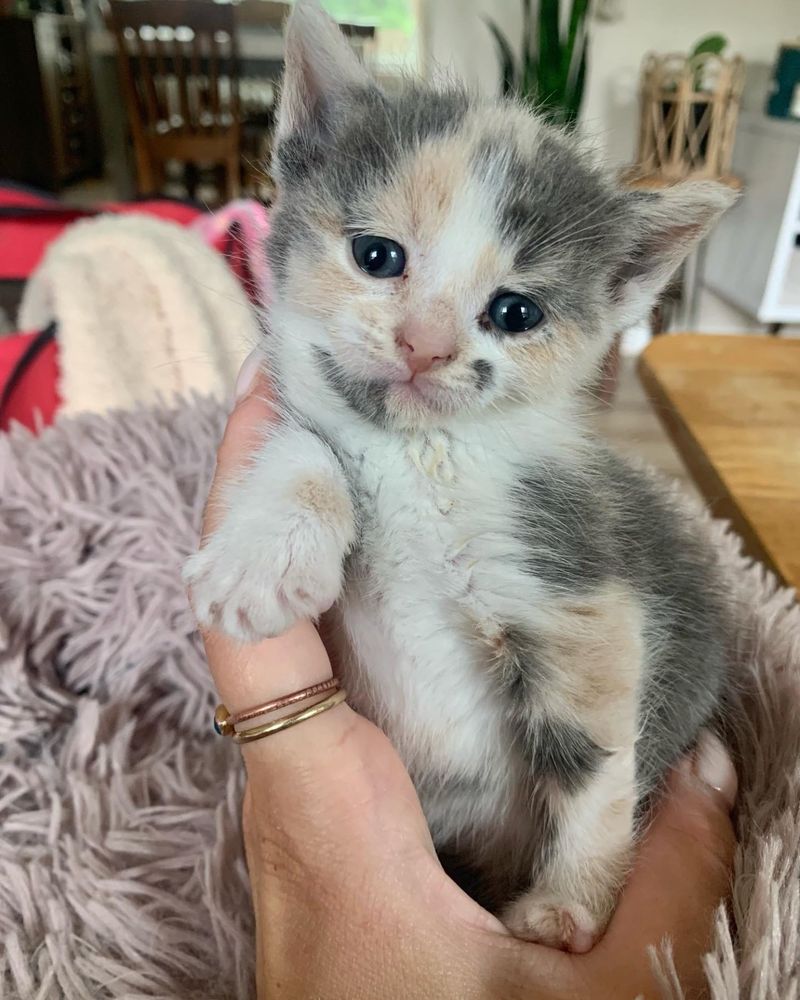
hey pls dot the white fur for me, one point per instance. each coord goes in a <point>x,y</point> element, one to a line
<point>273,560</point>
<point>438,568</point>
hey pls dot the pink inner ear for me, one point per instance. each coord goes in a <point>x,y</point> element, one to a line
<point>656,251</point>
<point>680,234</point>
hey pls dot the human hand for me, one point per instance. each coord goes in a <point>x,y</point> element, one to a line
<point>350,899</point>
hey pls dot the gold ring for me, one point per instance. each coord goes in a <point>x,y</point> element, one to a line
<point>259,732</point>
<point>225,722</point>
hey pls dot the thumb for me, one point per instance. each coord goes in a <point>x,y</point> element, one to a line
<point>332,785</point>
<point>682,872</point>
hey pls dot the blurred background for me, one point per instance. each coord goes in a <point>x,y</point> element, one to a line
<point>108,104</point>
<point>114,100</point>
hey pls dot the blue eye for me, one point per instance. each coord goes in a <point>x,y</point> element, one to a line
<point>379,256</point>
<point>514,313</point>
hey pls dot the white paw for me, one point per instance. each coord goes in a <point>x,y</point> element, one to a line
<point>550,920</point>
<point>253,584</point>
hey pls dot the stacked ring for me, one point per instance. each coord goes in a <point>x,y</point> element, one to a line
<point>225,722</point>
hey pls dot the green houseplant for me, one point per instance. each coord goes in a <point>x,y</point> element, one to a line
<point>550,71</point>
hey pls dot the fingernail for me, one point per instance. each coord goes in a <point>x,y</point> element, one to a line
<point>247,374</point>
<point>714,767</point>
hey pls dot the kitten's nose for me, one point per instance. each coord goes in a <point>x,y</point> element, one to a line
<point>424,348</point>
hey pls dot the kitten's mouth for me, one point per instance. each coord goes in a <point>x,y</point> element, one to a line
<point>391,393</point>
<point>418,388</point>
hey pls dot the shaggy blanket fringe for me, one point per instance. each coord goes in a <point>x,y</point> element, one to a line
<point>121,865</point>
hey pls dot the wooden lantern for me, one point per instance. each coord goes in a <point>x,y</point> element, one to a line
<point>689,109</point>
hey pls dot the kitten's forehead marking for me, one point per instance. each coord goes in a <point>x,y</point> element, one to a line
<point>439,206</point>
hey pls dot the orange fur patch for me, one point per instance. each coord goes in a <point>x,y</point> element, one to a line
<point>596,661</point>
<point>325,499</point>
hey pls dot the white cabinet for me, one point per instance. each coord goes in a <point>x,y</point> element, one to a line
<point>753,257</point>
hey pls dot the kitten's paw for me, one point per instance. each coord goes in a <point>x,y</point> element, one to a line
<point>254,586</point>
<point>558,923</point>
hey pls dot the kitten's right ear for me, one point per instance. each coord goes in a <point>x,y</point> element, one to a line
<point>665,229</point>
<point>318,64</point>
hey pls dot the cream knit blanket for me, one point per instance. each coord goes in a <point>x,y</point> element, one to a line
<point>144,310</point>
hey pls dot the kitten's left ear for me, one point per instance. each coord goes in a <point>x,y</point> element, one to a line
<point>318,64</point>
<point>666,228</point>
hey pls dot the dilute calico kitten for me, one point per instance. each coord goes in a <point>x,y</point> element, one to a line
<point>535,627</point>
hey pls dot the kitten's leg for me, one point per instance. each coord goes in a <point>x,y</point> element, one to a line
<point>583,762</point>
<point>574,894</point>
<point>277,554</point>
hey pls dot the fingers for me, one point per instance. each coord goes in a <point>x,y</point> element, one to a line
<point>682,872</point>
<point>252,674</point>
<point>248,675</point>
<point>320,779</point>
<point>252,416</point>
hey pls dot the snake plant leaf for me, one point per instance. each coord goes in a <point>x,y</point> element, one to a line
<point>551,72</point>
<point>574,97</point>
<point>550,47</point>
<point>527,31</point>
<point>576,30</point>
<point>575,53</point>
<point>529,86</point>
<point>507,64</point>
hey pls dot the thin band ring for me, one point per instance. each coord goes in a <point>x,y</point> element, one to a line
<point>269,728</point>
<point>284,702</point>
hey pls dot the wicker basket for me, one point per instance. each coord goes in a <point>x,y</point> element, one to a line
<point>689,109</point>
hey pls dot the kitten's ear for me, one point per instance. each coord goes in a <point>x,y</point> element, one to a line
<point>666,228</point>
<point>318,64</point>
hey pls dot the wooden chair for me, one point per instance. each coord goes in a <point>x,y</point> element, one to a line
<point>262,13</point>
<point>178,62</point>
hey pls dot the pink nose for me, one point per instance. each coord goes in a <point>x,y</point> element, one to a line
<point>424,348</point>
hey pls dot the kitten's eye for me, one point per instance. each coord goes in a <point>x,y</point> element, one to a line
<point>514,313</point>
<point>379,257</point>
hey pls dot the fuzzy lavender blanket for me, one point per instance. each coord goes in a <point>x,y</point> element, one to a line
<point>121,867</point>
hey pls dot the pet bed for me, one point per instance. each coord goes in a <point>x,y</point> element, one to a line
<point>121,867</point>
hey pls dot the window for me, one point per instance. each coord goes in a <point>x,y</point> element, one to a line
<point>397,21</point>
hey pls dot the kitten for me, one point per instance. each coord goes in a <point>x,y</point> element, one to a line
<point>527,617</point>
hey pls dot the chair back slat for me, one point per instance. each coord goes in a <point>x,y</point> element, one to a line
<point>183,72</point>
<point>147,102</point>
<point>214,78</point>
<point>179,64</point>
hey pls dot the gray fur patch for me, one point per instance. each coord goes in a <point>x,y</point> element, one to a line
<point>516,660</point>
<point>565,754</point>
<point>368,399</point>
<point>484,373</point>
<point>562,216</point>
<point>358,141</point>
<point>567,543</point>
<point>552,749</point>
<point>603,519</point>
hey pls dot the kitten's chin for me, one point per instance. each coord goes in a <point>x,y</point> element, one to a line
<point>416,393</point>
<point>421,401</point>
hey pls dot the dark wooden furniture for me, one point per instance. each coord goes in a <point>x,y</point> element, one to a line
<point>178,63</point>
<point>731,406</point>
<point>48,125</point>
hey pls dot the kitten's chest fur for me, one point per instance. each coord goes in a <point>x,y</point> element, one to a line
<point>436,577</point>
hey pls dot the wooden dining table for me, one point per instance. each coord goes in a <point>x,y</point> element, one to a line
<point>731,405</point>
